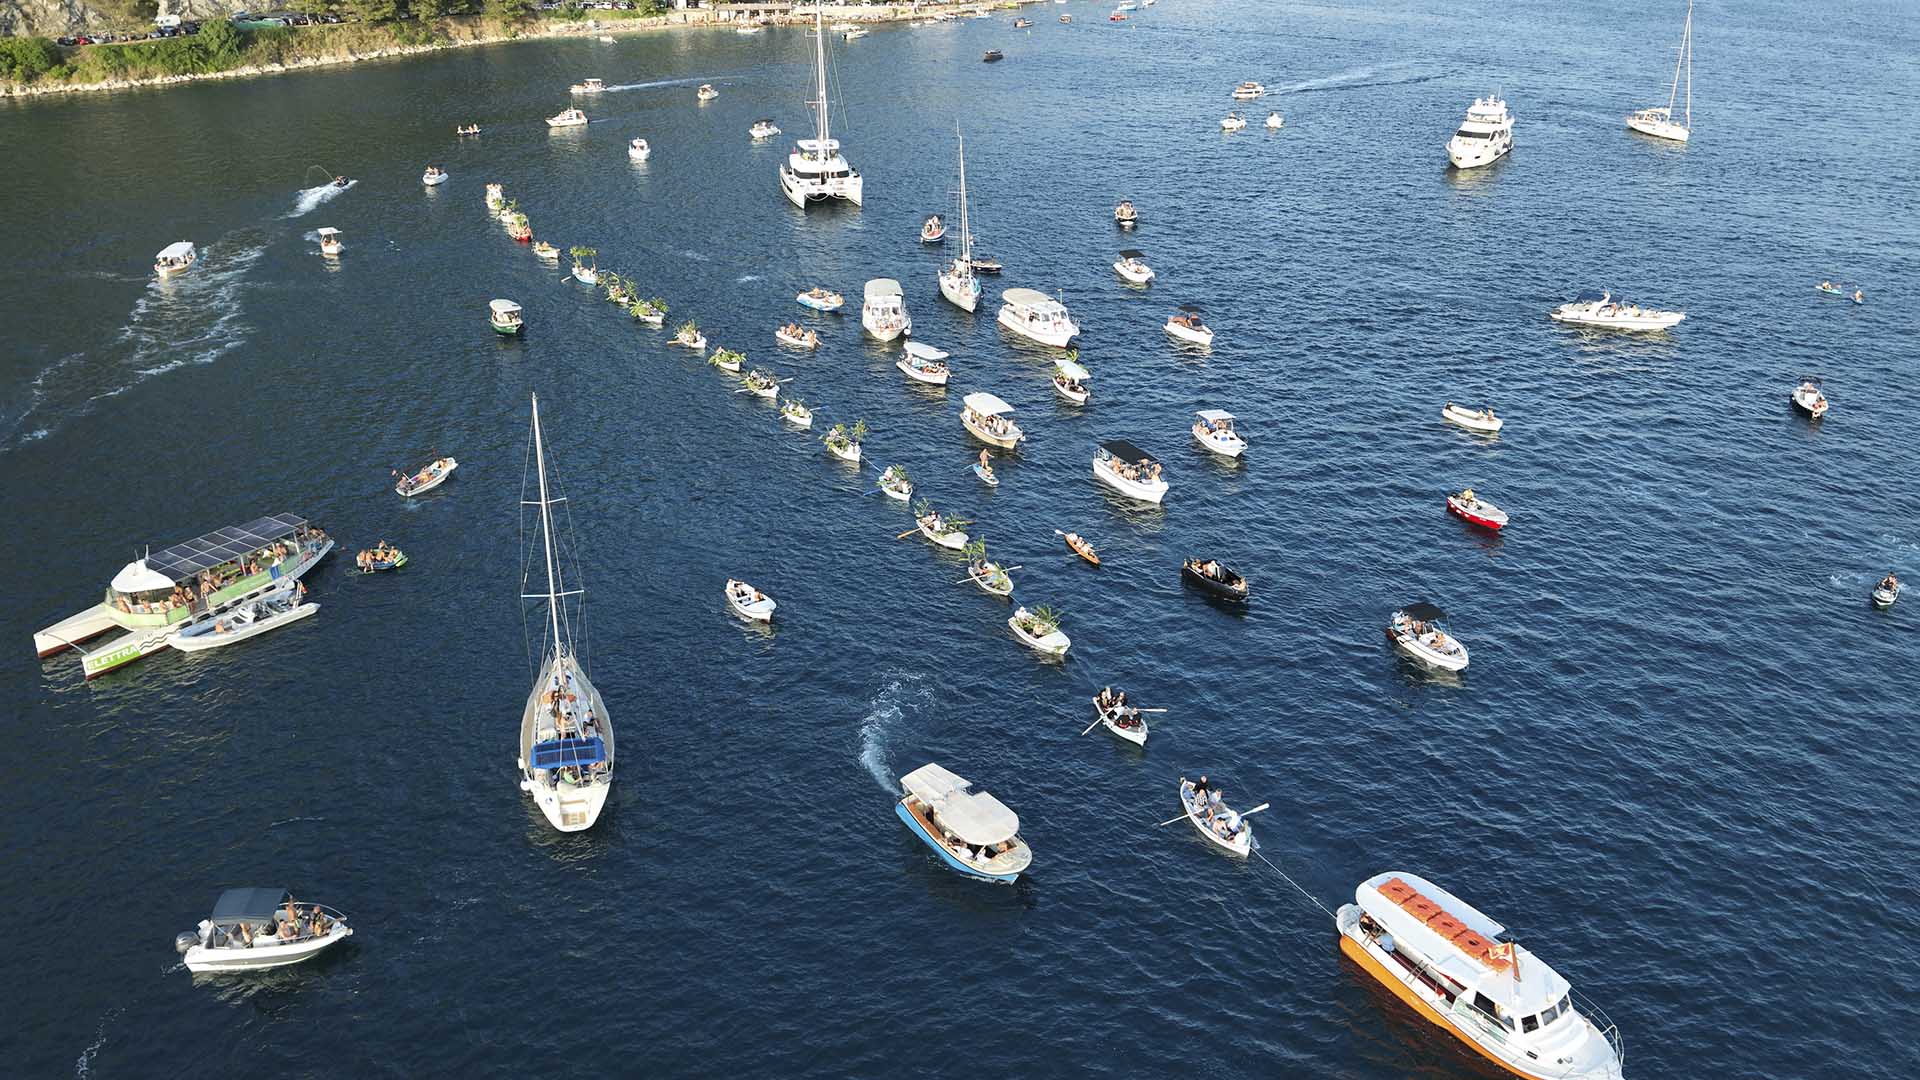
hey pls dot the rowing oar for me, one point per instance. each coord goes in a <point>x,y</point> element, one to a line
<point>908,533</point>
<point>1245,813</point>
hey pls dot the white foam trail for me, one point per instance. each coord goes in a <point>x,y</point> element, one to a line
<point>83,1066</point>
<point>308,198</point>
<point>1365,75</point>
<point>882,718</point>
<point>744,278</point>
<point>663,82</point>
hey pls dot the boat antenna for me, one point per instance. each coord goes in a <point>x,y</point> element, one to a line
<point>546,528</point>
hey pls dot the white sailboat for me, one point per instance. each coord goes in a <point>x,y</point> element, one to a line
<point>815,171</point>
<point>566,737</point>
<point>957,282</point>
<point>1658,121</point>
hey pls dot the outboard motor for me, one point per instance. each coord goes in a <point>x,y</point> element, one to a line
<point>184,940</point>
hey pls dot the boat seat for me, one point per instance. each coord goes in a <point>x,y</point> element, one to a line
<point>1421,908</point>
<point>1397,891</point>
<point>1474,945</point>
<point>1447,926</point>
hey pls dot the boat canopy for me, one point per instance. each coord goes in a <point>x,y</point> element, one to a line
<point>236,906</point>
<point>1072,369</point>
<point>1027,297</point>
<point>882,287</point>
<point>328,231</point>
<point>182,561</point>
<point>1460,941</point>
<point>1131,253</point>
<point>924,351</point>
<point>568,753</point>
<point>1423,611</point>
<point>1214,416</point>
<point>1125,451</point>
<point>174,252</point>
<point>1191,309</point>
<point>986,404</point>
<point>974,816</point>
<point>1591,296</point>
<point>135,577</point>
<point>504,307</point>
<point>819,146</point>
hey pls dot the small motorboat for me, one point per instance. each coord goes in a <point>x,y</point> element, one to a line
<point>434,176</point>
<point>638,150</point>
<point>933,230</point>
<point>1213,429</point>
<point>750,28</point>
<point>895,483</point>
<point>1472,508</point>
<point>1225,829</point>
<point>843,442</point>
<point>1275,121</point>
<point>342,182</point>
<point>270,612</point>
<point>763,129</point>
<point>706,92</point>
<point>947,534</point>
<point>1081,547</point>
<point>973,832</point>
<point>1886,592</point>
<point>429,477</point>
<point>468,129</point>
<point>749,602</point>
<point>255,929</point>
<point>567,118</point>
<point>985,418</point>
<point>1070,380</point>
<point>175,258</point>
<point>1189,327</point>
<point>605,39</point>
<point>1022,24</point>
<point>1213,576</point>
<point>795,412</point>
<point>986,264</point>
<point>1124,215</point>
<point>544,250</point>
<point>1132,267</point>
<point>1248,91</point>
<point>1416,629</point>
<point>1233,121</point>
<point>1479,421</point>
<point>1129,470</point>
<point>797,336</point>
<point>760,384</point>
<point>992,56</point>
<point>504,316</point>
<point>856,34</point>
<point>587,86</point>
<point>1120,718</point>
<point>1066,18</point>
<point>330,244</point>
<point>1039,630</point>
<point>1118,16</point>
<point>689,336</point>
<point>1808,398</point>
<point>728,360</point>
<point>380,558</point>
<point>820,299</point>
<point>925,364</point>
<point>991,577</point>
<point>1600,309</point>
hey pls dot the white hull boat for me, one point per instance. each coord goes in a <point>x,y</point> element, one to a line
<point>822,301</point>
<point>1484,137</point>
<point>1069,390</point>
<point>1144,486</point>
<point>1478,421</point>
<point>895,485</point>
<point>1133,729</point>
<point>426,479</point>
<point>586,275</point>
<point>1248,91</point>
<point>1884,595</point>
<point>991,578</point>
<point>242,623</point>
<point>1658,121</point>
<point>958,282</point>
<point>1275,121</point>
<point>638,150</point>
<point>924,364</point>
<point>749,602</point>
<point>883,314</point>
<point>984,417</point>
<point>1808,399</point>
<point>251,930</point>
<point>1202,817</point>
<point>1133,269</point>
<point>1600,309</point>
<point>1052,641</point>
<point>807,340</point>
<point>796,414</point>
<point>433,178</point>
<point>1214,430</point>
<point>569,118</point>
<point>1035,315</point>
<point>179,257</point>
<point>1189,327</point>
<point>816,171</point>
<point>1415,630</point>
<point>1232,123</point>
<point>935,528</point>
<point>847,452</point>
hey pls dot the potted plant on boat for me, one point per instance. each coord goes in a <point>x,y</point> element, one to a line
<point>844,442</point>
<point>896,483</point>
<point>652,312</point>
<point>795,412</point>
<point>689,335</point>
<point>1039,629</point>
<point>585,267</point>
<point>988,575</point>
<point>727,360</point>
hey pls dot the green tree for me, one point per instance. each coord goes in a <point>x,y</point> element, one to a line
<point>222,42</point>
<point>378,10</point>
<point>430,9</point>
<point>509,9</point>
<point>26,59</point>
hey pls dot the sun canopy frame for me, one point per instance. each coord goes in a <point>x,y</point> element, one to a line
<point>179,249</point>
<point>1126,451</point>
<point>1191,309</point>
<point>1027,298</point>
<point>568,753</point>
<point>182,561</point>
<point>986,404</point>
<point>1214,416</point>
<point>1423,611</point>
<point>1132,253</point>
<point>1072,369</point>
<point>924,351</point>
<point>250,905</point>
<point>974,816</point>
<point>880,288</point>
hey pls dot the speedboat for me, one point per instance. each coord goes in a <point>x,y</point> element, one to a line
<point>330,244</point>
<point>895,483</point>
<point>706,92</point>
<point>933,230</point>
<point>1233,121</point>
<point>255,929</point>
<point>992,56</point>
<point>175,258</point>
<point>1808,398</point>
<point>1464,973</point>
<point>857,33</point>
<point>1033,314</point>
<point>941,531</point>
<point>638,150</point>
<point>688,335</point>
<point>1129,470</point>
<point>544,250</point>
<point>1132,267</point>
<point>1039,630</point>
<point>587,86</point>
<point>924,363</point>
<point>1123,720</point>
<point>749,28</point>
<point>797,336</point>
<point>1886,592</point>
<point>795,412</point>
<point>760,384</point>
<point>1124,215</point>
<point>1070,380</point>
<point>985,418</point>
<point>1212,818</point>
<point>763,129</point>
<point>1658,121</point>
<point>434,176</point>
<point>1275,121</point>
<point>1214,577</point>
<point>504,316</point>
<point>273,609</point>
<point>884,312</point>
<point>1417,630</point>
<point>1602,310</point>
<point>973,832</point>
<point>1189,327</point>
<point>567,118</point>
<point>429,477</point>
<point>1248,91</point>
<point>820,299</point>
<point>749,602</point>
<point>843,442</point>
<point>816,171</point>
<point>1478,421</point>
<point>1213,429</point>
<point>1484,137</point>
<point>1470,507</point>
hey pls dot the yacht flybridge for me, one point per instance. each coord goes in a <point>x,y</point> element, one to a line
<point>1484,137</point>
<point>1033,314</point>
<point>815,171</point>
<point>1658,121</point>
<point>958,283</point>
<point>1462,972</point>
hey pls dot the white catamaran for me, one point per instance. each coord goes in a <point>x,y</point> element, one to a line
<point>1658,121</point>
<point>566,736</point>
<point>957,282</point>
<point>815,171</point>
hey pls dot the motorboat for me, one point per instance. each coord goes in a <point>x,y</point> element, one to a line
<point>1484,137</point>
<point>1039,630</point>
<point>1418,630</point>
<point>857,33</point>
<point>925,364</point>
<point>544,250</point>
<point>330,244</point>
<point>895,483</point>
<point>1214,429</point>
<point>270,611</point>
<point>1129,470</point>
<point>176,258</point>
<point>605,39</point>
<point>1233,121</point>
<point>795,412</point>
<point>843,442</point>
<point>381,558</point>
<point>760,384</point>
<point>748,28</point>
<point>1189,326</point>
<point>689,336</point>
<point>1809,399</point>
<point>1125,721</point>
<point>505,318</point>
<point>1117,16</point>
<point>797,336</point>
<point>1080,546</point>
<point>820,299</point>
<point>1480,421</point>
<point>763,129</point>
<point>587,86</point>
<point>1249,91</point>
<point>1022,24</point>
<point>972,832</point>
<point>1471,508</point>
<point>985,418</point>
<point>987,264</point>
<point>933,230</point>
<point>1065,18</point>
<point>1133,267</point>
<point>1213,819</point>
<point>1466,975</point>
<point>884,312</point>
<point>434,176</point>
<point>430,476</point>
<point>749,602</point>
<point>1070,380</point>
<point>840,27</point>
<point>1215,578</point>
<point>1275,121</point>
<point>946,533</point>
<point>259,928</point>
<point>1886,592</point>
<point>992,56</point>
<point>958,282</point>
<point>567,118</point>
<point>706,92</point>
<point>1658,121</point>
<point>1124,215</point>
<point>638,150</point>
<point>1035,315</point>
<point>727,360</point>
<point>1600,309</point>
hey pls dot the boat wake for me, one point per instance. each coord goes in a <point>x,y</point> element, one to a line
<point>744,278</point>
<point>1360,78</point>
<point>658,83</point>
<point>308,198</point>
<point>884,717</point>
<point>83,1065</point>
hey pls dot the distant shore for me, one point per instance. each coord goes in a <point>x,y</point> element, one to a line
<point>380,42</point>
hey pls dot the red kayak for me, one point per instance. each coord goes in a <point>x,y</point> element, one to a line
<point>1466,504</point>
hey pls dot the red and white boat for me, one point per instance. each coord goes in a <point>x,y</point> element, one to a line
<point>1466,504</point>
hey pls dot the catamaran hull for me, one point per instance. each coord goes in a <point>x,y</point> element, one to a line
<point>803,193</point>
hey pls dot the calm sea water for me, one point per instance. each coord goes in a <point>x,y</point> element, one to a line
<point>1678,767</point>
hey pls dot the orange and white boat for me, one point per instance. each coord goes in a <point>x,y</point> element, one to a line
<point>1460,971</point>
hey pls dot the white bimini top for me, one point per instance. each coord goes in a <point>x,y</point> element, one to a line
<point>882,288</point>
<point>987,404</point>
<point>176,251</point>
<point>974,816</point>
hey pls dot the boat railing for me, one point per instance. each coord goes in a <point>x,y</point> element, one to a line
<point>1481,1022</point>
<point>1603,1023</point>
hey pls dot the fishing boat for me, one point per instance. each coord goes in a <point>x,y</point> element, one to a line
<point>924,364</point>
<point>844,442</point>
<point>588,86</point>
<point>496,197</point>
<point>705,93</point>
<point>504,316</point>
<point>1214,577</point>
<point>728,360</point>
<point>567,118</point>
<point>1479,421</point>
<point>546,251</point>
<point>566,735</point>
<point>749,602</point>
<point>431,476</point>
<point>1123,720</point>
<point>1129,470</point>
<point>1477,511</point>
<point>1133,268</point>
<point>1039,631</point>
<point>816,171</point>
<point>1275,121</point>
<point>689,336</point>
<point>1188,326</point>
<point>795,412</point>
<point>1658,121</point>
<point>1418,631</point>
<point>1070,380</point>
<point>1233,121</point>
<point>1081,547</point>
<point>797,336</point>
<point>820,299</point>
<point>938,529</point>
<point>158,594</point>
<point>1809,399</point>
<point>884,312</point>
<point>958,282</point>
<point>176,258</point>
<point>895,484</point>
<point>933,230</point>
<point>763,129</point>
<point>269,612</point>
<point>991,577</point>
<point>330,244</point>
<point>1600,309</point>
<point>1484,137</point>
<point>1886,592</point>
<point>1035,315</point>
<point>992,56</point>
<point>381,558</point>
<point>1463,973</point>
<point>1124,215</point>
<point>760,384</point>
<point>1213,429</point>
<point>973,832</point>
<point>1213,819</point>
<point>638,150</point>
<point>985,417</point>
<point>259,928</point>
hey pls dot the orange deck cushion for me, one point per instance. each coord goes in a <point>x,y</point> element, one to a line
<point>1397,891</point>
<point>1474,945</point>
<point>1447,926</point>
<point>1420,907</point>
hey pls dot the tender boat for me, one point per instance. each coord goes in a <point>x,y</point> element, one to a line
<point>1886,592</point>
<point>1275,121</point>
<point>958,282</point>
<point>844,442</point>
<point>1484,137</point>
<point>815,171</point>
<point>1129,470</point>
<point>857,33</point>
<point>176,258</point>
<point>763,129</point>
<point>431,476</point>
<point>638,150</point>
<point>1463,972</point>
<point>933,230</point>
<point>947,534</point>
<point>1123,720</point>
<point>1070,380</point>
<point>544,250</point>
<point>433,177</point>
<point>820,299</point>
<point>1233,121</point>
<point>504,316</point>
<point>1602,310</point>
<point>588,86</point>
<point>727,360</point>
<point>255,929</point>
<point>1479,421</point>
<point>1033,314</point>
<point>992,56</point>
<point>973,832</point>
<point>706,92</point>
<point>795,412</point>
<point>1213,429</point>
<point>689,336</point>
<point>1133,268</point>
<point>1808,398</point>
<point>271,611</point>
<point>1658,121</point>
<point>797,336</point>
<point>884,313</point>
<point>760,384</point>
<point>1249,91</point>
<point>1417,630</point>
<point>925,364</point>
<point>1471,508</point>
<point>1212,576</point>
<point>330,244</point>
<point>895,484</point>
<point>1039,630</point>
<point>1213,819</point>
<point>749,602</point>
<point>1081,547</point>
<point>1124,215</point>
<point>381,558</point>
<point>987,264</point>
<point>985,417</point>
<point>1189,327</point>
<point>567,118</point>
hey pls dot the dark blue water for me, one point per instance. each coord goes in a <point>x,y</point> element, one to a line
<point>1678,767</point>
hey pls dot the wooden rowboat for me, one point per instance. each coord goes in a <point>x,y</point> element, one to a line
<point>1082,548</point>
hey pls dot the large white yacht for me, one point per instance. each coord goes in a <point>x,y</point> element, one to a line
<point>816,171</point>
<point>1658,121</point>
<point>1484,137</point>
<point>883,311</point>
<point>1032,313</point>
<point>958,283</point>
<point>1460,971</point>
<point>1600,309</point>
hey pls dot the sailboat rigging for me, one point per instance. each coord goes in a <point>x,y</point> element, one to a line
<point>957,281</point>
<point>1658,121</point>
<point>816,171</point>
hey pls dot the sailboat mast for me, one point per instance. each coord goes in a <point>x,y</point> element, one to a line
<point>1687,44</point>
<point>546,525</point>
<point>1679,62</point>
<point>966,233</point>
<point>820,72</point>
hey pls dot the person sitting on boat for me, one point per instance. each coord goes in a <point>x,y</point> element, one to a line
<point>1890,582</point>
<point>1828,285</point>
<point>339,181</point>
<point>1859,297</point>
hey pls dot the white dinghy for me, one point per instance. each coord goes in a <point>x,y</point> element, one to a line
<point>843,442</point>
<point>924,364</point>
<point>749,602</point>
<point>1039,630</point>
<point>895,484</point>
<point>1129,470</point>
<point>795,412</point>
<point>1416,629</point>
<point>1212,818</point>
<point>760,384</point>
<point>255,929</point>
<point>947,534</point>
<point>1213,429</point>
<point>991,577</point>
<point>638,150</point>
<point>1478,421</point>
<point>984,416</point>
<point>1070,380</point>
<point>1124,721</point>
<point>271,611</point>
